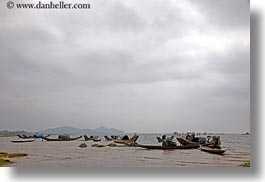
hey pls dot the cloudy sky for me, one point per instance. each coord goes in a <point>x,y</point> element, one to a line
<point>139,66</point>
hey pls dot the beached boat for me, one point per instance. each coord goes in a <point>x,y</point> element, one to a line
<point>61,138</point>
<point>168,147</point>
<point>212,150</point>
<point>22,141</point>
<point>130,141</point>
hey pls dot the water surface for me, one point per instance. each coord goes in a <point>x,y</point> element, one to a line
<point>68,154</point>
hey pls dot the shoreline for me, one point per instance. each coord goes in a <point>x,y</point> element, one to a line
<point>4,158</point>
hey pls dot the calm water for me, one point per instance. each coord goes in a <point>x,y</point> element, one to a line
<point>68,154</point>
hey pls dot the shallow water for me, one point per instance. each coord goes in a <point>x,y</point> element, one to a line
<point>68,154</point>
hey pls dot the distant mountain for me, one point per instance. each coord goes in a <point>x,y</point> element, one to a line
<point>105,130</point>
<point>72,130</point>
<point>13,133</point>
<point>61,130</point>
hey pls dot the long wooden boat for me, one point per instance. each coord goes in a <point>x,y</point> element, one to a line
<point>185,142</point>
<point>168,147</point>
<point>212,150</point>
<point>131,141</point>
<point>32,136</point>
<point>25,136</point>
<point>61,139</point>
<point>22,141</point>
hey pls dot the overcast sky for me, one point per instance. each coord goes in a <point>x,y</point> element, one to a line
<point>138,66</point>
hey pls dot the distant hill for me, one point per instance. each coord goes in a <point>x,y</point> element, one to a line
<point>13,133</point>
<point>105,130</point>
<point>72,130</point>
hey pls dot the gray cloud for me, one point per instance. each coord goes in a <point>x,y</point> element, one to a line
<point>225,14</point>
<point>129,65</point>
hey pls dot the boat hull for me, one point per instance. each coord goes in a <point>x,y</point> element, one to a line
<point>212,150</point>
<point>131,141</point>
<point>31,137</point>
<point>22,141</point>
<point>180,147</point>
<point>185,142</point>
<point>57,139</point>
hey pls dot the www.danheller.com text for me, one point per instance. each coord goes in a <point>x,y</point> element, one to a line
<point>49,5</point>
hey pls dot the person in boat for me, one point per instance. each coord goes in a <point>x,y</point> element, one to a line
<point>114,136</point>
<point>193,138</point>
<point>37,135</point>
<point>168,141</point>
<point>64,137</point>
<point>209,139</point>
<point>214,142</point>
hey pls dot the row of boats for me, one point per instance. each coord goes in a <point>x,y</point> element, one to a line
<point>124,139</point>
<point>209,144</point>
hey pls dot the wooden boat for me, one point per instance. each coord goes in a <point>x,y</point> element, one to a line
<point>168,147</point>
<point>61,139</point>
<point>116,137</point>
<point>32,136</point>
<point>185,142</point>
<point>108,139</point>
<point>131,141</point>
<point>87,138</point>
<point>94,138</point>
<point>25,136</point>
<point>212,150</point>
<point>22,141</point>
<point>97,139</point>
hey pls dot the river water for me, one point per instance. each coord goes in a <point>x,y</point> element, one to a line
<point>68,154</point>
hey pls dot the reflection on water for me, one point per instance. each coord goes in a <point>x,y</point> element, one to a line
<point>68,154</point>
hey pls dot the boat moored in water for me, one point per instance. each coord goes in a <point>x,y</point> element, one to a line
<point>62,138</point>
<point>94,138</point>
<point>185,142</point>
<point>32,136</point>
<point>212,150</point>
<point>168,147</point>
<point>130,141</point>
<point>22,141</point>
